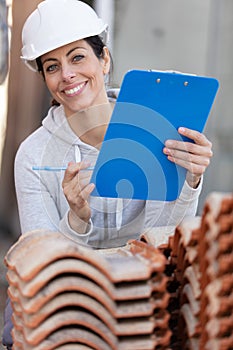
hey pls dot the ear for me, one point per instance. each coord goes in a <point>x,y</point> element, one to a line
<point>106,60</point>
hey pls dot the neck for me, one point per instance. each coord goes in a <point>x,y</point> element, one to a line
<point>90,125</point>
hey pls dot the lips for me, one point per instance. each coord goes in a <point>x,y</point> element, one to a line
<point>75,90</point>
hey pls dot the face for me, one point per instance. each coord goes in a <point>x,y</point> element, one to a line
<point>75,76</point>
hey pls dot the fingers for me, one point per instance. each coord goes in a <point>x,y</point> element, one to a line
<point>187,157</point>
<point>194,164</point>
<point>82,197</point>
<point>193,156</point>
<point>195,160</point>
<point>73,169</point>
<point>201,145</point>
<point>76,186</point>
<point>196,136</point>
<point>80,205</point>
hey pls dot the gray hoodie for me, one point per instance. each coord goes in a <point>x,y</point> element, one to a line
<point>42,204</point>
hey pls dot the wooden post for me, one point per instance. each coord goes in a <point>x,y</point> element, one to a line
<point>27,102</point>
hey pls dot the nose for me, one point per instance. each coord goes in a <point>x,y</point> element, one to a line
<point>67,73</point>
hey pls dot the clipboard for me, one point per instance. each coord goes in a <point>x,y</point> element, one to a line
<point>150,108</point>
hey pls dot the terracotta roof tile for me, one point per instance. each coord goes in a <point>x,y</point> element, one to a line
<point>63,336</point>
<point>71,346</point>
<point>192,322</point>
<point>63,284</point>
<point>34,336</point>
<point>23,261</point>
<point>115,297</point>
<point>139,297</point>
<point>76,267</point>
<point>187,296</point>
<point>157,236</point>
<point>220,343</point>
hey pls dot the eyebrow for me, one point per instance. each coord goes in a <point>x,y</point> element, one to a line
<point>68,53</point>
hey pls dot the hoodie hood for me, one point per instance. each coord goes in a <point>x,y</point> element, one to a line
<point>57,124</point>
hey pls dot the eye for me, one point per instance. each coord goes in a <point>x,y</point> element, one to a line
<point>51,68</point>
<point>78,58</point>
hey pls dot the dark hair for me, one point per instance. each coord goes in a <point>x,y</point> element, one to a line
<point>97,46</point>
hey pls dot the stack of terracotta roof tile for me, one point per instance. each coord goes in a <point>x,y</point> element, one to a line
<point>216,266</point>
<point>184,285</point>
<point>201,257</point>
<point>68,296</point>
<point>163,237</point>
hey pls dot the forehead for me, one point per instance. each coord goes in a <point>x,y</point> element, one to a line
<point>66,49</point>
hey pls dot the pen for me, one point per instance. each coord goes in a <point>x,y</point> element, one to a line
<point>55,168</point>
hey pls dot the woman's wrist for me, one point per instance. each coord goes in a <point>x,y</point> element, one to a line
<point>77,224</point>
<point>193,180</point>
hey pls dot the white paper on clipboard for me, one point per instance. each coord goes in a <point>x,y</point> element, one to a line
<point>151,106</point>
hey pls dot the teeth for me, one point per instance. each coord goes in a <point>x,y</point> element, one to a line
<point>74,90</point>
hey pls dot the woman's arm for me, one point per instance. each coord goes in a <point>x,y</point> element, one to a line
<point>36,206</point>
<point>40,202</point>
<point>160,213</point>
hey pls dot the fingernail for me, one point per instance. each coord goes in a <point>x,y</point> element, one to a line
<point>167,151</point>
<point>70,163</point>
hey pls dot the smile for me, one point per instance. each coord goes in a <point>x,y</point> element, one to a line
<point>74,90</point>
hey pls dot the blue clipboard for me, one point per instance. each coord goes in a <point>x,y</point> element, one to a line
<point>151,106</point>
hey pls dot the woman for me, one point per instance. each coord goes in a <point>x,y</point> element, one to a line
<point>74,62</point>
<point>66,42</point>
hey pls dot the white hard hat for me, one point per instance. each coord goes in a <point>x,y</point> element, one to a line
<point>56,23</point>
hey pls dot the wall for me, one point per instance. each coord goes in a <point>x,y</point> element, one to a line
<point>192,36</point>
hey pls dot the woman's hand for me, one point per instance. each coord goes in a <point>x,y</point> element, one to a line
<point>195,157</point>
<point>77,189</point>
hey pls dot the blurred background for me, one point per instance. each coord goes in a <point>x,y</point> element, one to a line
<point>192,36</point>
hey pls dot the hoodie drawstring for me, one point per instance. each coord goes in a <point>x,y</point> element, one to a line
<point>119,211</point>
<point>77,154</point>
